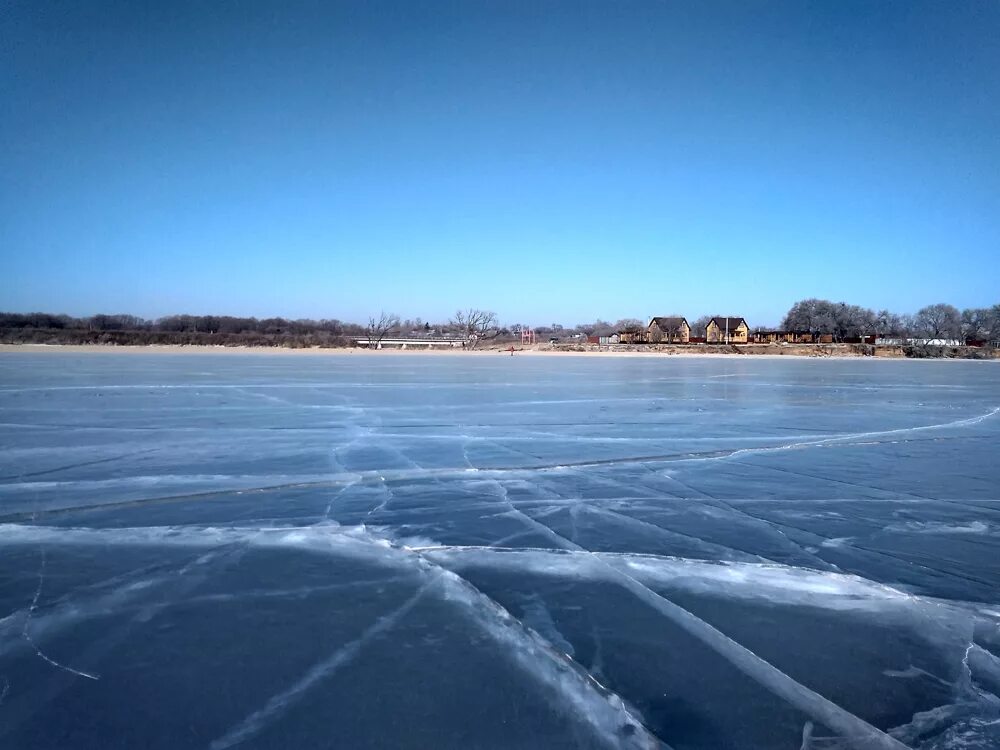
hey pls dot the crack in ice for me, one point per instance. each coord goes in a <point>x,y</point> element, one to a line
<point>27,624</point>
<point>278,704</point>
<point>755,667</point>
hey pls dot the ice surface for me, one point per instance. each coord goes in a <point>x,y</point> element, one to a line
<point>257,551</point>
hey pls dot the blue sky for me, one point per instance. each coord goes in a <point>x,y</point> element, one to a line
<point>554,162</point>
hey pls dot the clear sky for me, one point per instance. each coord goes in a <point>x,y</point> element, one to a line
<point>551,161</point>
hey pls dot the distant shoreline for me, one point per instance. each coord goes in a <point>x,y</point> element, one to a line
<point>491,351</point>
<point>347,351</point>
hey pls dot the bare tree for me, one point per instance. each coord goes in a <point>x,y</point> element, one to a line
<point>700,327</point>
<point>890,324</point>
<point>992,323</point>
<point>839,319</point>
<point>939,321</point>
<point>631,331</point>
<point>973,322</point>
<point>477,325</point>
<point>982,324</point>
<point>597,328</point>
<point>378,327</point>
<point>630,325</point>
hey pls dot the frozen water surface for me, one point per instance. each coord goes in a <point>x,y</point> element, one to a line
<point>397,551</point>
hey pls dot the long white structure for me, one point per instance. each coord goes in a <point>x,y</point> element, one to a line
<point>407,342</point>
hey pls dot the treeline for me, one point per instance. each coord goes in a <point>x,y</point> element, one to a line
<point>205,330</point>
<point>840,320</point>
<point>178,324</point>
<point>939,321</point>
<point>208,330</point>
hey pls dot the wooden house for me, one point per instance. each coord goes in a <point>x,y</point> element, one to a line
<point>727,331</point>
<point>668,331</point>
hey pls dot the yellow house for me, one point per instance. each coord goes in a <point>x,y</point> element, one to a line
<point>669,331</point>
<point>727,331</point>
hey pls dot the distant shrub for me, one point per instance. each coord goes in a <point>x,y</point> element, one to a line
<point>928,351</point>
<point>923,351</point>
<point>80,336</point>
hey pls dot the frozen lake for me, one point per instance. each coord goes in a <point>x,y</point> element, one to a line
<point>260,551</point>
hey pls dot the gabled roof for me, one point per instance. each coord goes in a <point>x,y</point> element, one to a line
<point>667,324</point>
<point>733,323</point>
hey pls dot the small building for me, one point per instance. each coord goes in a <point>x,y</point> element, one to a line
<point>782,337</point>
<point>638,336</point>
<point>603,340</point>
<point>727,331</point>
<point>663,330</point>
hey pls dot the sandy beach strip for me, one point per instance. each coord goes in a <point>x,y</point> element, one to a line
<point>493,351</point>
